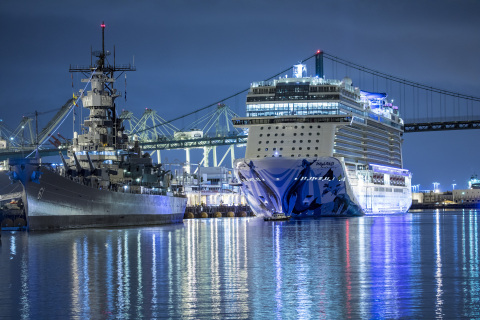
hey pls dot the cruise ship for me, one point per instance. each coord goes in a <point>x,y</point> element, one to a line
<point>320,147</point>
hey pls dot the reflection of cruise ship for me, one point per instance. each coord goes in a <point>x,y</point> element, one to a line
<point>322,147</point>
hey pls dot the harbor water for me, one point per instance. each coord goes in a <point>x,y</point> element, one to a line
<point>416,265</point>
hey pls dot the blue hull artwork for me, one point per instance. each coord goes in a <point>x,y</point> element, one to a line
<point>296,187</point>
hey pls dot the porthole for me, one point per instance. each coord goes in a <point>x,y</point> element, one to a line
<point>261,128</point>
<point>261,134</point>
<point>308,155</point>
<point>276,134</point>
<point>318,133</point>
<point>309,133</point>
<point>281,141</point>
<point>258,149</point>
<point>301,134</point>
<point>316,148</point>
<point>301,141</point>
<point>293,148</point>
<point>276,127</point>
<point>309,141</point>
<point>281,149</point>
<point>274,149</point>
<point>268,134</point>
<point>294,141</point>
<point>269,128</point>
<point>308,148</point>
<point>267,142</point>
<point>317,141</point>
<point>266,149</point>
<point>292,156</point>
<point>283,134</point>
<point>275,142</point>
<point>299,148</point>
<point>311,127</point>
<point>295,134</point>
<point>303,127</point>
<point>296,127</point>
<point>259,142</point>
<point>315,155</point>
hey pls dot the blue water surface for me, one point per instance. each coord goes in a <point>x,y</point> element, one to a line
<point>416,265</point>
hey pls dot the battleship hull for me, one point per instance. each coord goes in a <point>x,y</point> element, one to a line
<point>55,202</point>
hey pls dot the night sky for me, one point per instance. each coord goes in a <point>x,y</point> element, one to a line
<point>189,54</point>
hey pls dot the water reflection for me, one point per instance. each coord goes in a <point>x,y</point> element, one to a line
<point>406,266</point>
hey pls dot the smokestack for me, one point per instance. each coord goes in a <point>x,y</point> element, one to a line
<point>319,64</point>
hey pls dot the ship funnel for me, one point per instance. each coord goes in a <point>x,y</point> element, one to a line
<point>298,70</point>
<point>319,64</point>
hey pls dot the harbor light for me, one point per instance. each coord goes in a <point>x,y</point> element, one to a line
<point>435,187</point>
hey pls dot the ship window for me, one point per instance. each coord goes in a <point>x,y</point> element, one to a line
<point>309,133</point>
<point>275,142</point>
<point>316,155</point>
<point>281,149</point>
<point>296,127</point>
<point>301,141</point>
<point>276,127</point>
<point>267,142</point>
<point>292,156</point>
<point>294,141</point>
<point>300,148</point>
<point>303,127</point>
<point>266,149</point>
<point>259,142</point>
<point>261,134</point>
<point>280,156</point>
<point>281,141</point>
<point>318,133</point>
<point>276,134</point>
<point>268,134</point>
<point>295,134</point>
<point>258,149</point>
<point>269,128</point>
<point>309,141</point>
<point>311,127</point>
<point>283,134</point>
<point>293,148</point>
<point>261,128</point>
<point>283,127</point>
<point>274,149</point>
<point>318,126</point>
<point>265,156</point>
<point>301,134</point>
<point>316,148</point>
<point>258,156</point>
<point>316,140</point>
<point>308,155</point>
<point>299,155</point>
<point>308,148</point>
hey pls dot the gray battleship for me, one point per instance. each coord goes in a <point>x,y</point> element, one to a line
<point>106,180</point>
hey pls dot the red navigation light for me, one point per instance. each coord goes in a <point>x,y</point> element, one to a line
<point>102,25</point>
<point>318,51</point>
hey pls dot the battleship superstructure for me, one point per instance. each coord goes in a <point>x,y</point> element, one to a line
<point>319,147</point>
<point>106,180</point>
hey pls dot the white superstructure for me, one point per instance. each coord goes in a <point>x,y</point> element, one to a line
<point>339,146</point>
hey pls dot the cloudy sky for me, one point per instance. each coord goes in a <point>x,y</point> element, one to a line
<point>189,54</point>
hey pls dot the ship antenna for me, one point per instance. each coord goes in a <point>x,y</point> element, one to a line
<point>102,58</point>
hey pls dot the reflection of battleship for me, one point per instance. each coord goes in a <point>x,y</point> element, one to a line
<point>319,147</point>
<point>107,180</point>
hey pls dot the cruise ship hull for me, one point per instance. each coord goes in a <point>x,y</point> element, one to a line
<point>312,187</point>
<point>55,202</point>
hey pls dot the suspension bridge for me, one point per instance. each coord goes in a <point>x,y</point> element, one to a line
<point>424,108</point>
